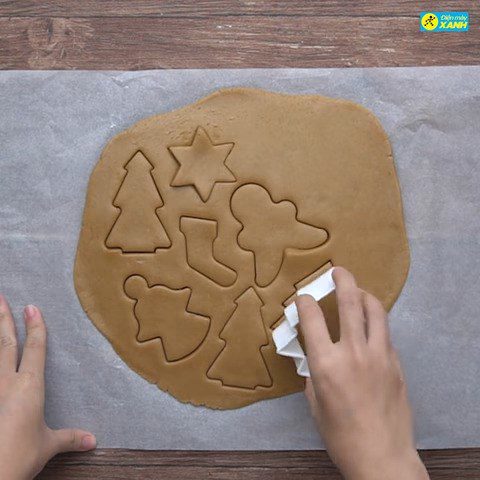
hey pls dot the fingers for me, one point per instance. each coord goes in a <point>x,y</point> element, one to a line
<point>314,329</point>
<point>8,339</point>
<point>377,324</point>
<point>350,308</point>
<point>34,350</point>
<point>310,394</point>
<point>73,440</point>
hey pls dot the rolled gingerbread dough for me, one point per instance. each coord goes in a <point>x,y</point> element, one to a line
<point>200,224</point>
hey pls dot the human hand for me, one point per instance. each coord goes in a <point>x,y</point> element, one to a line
<point>26,443</point>
<point>357,392</point>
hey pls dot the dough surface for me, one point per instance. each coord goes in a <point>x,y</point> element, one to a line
<point>200,223</point>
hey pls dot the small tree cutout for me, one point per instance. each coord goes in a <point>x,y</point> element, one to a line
<point>240,363</point>
<point>138,227</point>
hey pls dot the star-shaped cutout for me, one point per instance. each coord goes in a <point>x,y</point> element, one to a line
<point>202,164</point>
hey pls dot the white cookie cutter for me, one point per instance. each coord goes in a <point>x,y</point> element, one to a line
<point>285,335</point>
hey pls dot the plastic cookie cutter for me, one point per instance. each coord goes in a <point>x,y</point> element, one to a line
<point>285,335</point>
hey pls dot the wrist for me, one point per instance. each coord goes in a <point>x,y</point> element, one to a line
<point>10,473</point>
<point>407,466</point>
<point>12,470</point>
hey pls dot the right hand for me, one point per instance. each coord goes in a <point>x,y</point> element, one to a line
<point>357,391</point>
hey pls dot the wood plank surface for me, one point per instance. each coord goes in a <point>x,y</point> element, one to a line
<point>209,8</point>
<point>194,465</point>
<point>122,35</point>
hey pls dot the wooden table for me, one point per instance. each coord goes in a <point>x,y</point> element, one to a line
<point>142,34</point>
<point>126,34</point>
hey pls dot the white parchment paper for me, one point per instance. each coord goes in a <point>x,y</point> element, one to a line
<point>53,126</point>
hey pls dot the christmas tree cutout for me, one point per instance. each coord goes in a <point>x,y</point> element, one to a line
<point>138,228</point>
<point>241,363</point>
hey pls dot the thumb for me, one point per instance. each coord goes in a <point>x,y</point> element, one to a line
<point>73,440</point>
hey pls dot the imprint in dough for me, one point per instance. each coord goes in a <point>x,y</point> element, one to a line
<point>241,363</point>
<point>269,228</point>
<point>306,280</point>
<point>200,234</point>
<point>163,313</point>
<point>137,228</point>
<point>202,164</point>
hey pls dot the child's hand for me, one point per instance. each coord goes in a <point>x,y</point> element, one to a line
<point>26,443</point>
<point>357,392</point>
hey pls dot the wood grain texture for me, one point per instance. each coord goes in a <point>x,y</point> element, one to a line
<point>209,8</point>
<point>186,465</point>
<point>121,35</point>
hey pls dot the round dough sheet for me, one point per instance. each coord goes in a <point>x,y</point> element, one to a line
<point>201,223</point>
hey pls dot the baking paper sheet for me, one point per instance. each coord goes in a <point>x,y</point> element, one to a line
<point>53,126</point>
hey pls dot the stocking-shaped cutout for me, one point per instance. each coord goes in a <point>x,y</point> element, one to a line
<point>137,228</point>
<point>163,313</point>
<point>269,228</point>
<point>240,363</point>
<point>200,234</point>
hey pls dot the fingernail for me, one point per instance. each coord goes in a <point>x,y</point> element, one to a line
<point>304,297</point>
<point>30,312</point>
<point>88,442</point>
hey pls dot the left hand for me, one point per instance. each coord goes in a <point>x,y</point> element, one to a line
<point>26,442</point>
